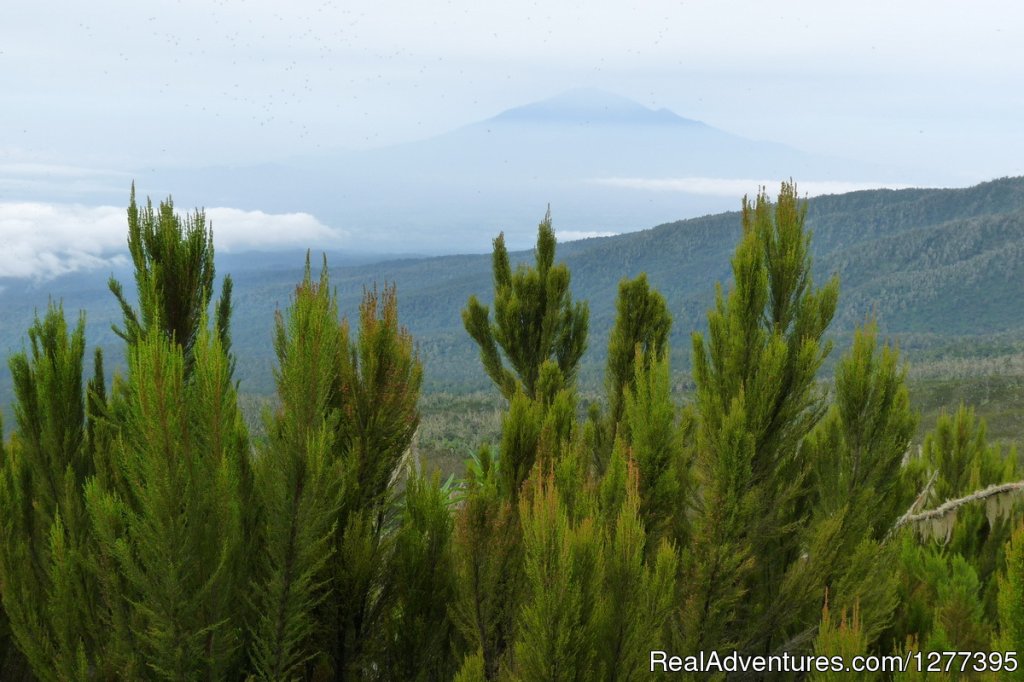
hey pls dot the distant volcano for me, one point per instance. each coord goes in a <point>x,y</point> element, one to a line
<point>604,162</point>
<point>588,106</point>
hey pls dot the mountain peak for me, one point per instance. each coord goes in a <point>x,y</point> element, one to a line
<point>590,106</point>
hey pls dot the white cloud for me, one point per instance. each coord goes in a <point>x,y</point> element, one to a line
<point>732,187</point>
<point>42,241</point>
<point>238,230</point>
<point>574,235</point>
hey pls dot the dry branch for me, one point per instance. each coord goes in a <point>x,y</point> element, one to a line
<point>938,522</point>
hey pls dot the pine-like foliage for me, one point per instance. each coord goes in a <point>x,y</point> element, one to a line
<point>757,400</point>
<point>941,605</point>
<point>857,485</point>
<point>949,584</point>
<point>535,430</point>
<point>1011,601</point>
<point>377,389</point>
<point>655,442</point>
<point>723,556</point>
<point>171,551</point>
<point>535,319</point>
<point>422,643</point>
<point>638,596</point>
<point>299,483</point>
<point>640,334</point>
<point>47,592</point>
<point>859,447</point>
<point>174,274</point>
<point>592,604</point>
<point>489,569</point>
<point>542,334</point>
<point>557,631</point>
<point>844,638</point>
<point>958,451</point>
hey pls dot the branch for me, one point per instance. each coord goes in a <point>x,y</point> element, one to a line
<point>948,508</point>
<point>918,501</point>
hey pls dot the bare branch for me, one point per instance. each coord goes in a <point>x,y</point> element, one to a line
<point>949,507</point>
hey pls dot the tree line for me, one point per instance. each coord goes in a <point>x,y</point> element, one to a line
<point>147,534</point>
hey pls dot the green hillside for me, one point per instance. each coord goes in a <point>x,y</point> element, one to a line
<point>942,268</point>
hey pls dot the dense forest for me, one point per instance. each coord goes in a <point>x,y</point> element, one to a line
<point>152,529</point>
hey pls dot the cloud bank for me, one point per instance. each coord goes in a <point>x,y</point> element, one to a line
<point>42,241</point>
<point>575,235</point>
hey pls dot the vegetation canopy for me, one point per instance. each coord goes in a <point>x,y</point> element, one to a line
<point>783,503</point>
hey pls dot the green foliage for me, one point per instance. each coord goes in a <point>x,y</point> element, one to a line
<point>959,456</point>
<point>656,444</point>
<point>171,552</point>
<point>757,401</point>
<point>47,593</point>
<point>721,559</point>
<point>300,486</point>
<point>637,597</point>
<point>556,630</point>
<point>858,490</point>
<point>1011,600</point>
<point>592,606</point>
<point>844,638</point>
<point>859,446</point>
<point>145,537</point>
<point>940,595</point>
<point>377,389</point>
<point>488,568</point>
<point>535,319</point>
<point>640,334</point>
<point>174,275</point>
<point>958,449</point>
<point>422,643</point>
<point>50,409</point>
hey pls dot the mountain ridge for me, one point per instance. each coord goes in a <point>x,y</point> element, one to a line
<point>942,269</point>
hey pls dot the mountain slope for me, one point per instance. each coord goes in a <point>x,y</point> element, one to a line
<point>943,269</point>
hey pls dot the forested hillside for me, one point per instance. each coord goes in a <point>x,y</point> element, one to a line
<point>942,269</point>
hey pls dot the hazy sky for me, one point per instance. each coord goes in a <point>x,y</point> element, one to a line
<point>113,86</point>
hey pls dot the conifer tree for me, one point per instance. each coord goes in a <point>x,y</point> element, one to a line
<point>535,319</point>
<point>857,485</point>
<point>171,550</point>
<point>422,643</point>
<point>642,325</point>
<point>756,398</point>
<point>376,395</point>
<point>557,632</point>
<point>46,589</point>
<point>656,444</point>
<point>637,597</point>
<point>843,637</point>
<point>299,484</point>
<point>542,334</point>
<point>858,448</point>
<point>489,568</point>
<point>957,450</point>
<point>12,664</point>
<point>949,582</point>
<point>941,600</point>
<point>174,275</point>
<point>1011,600</point>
